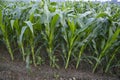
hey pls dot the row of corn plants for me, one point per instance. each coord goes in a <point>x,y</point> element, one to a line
<point>71,31</point>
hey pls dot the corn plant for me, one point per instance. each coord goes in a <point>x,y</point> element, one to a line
<point>112,37</point>
<point>111,59</point>
<point>88,33</point>
<point>4,30</point>
<point>29,24</point>
<point>68,27</point>
<point>49,35</point>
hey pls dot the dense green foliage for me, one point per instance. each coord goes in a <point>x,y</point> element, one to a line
<point>71,31</point>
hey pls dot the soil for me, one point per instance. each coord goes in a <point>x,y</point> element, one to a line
<point>16,70</point>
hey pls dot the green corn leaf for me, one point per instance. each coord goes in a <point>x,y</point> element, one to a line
<point>72,26</point>
<point>29,24</point>
<point>103,14</point>
<point>110,32</point>
<point>85,14</point>
<point>12,23</point>
<point>31,17</point>
<point>0,16</point>
<point>16,26</point>
<point>22,33</point>
<point>54,21</point>
<point>103,43</point>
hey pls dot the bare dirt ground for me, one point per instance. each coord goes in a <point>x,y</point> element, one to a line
<point>16,70</point>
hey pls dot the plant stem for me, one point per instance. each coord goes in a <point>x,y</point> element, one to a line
<point>68,59</point>
<point>79,57</point>
<point>9,49</point>
<point>33,55</point>
<point>23,52</point>
<point>113,56</point>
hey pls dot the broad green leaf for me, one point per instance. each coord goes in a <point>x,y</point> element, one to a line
<point>22,33</point>
<point>31,17</point>
<point>72,26</point>
<point>85,14</point>
<point>54,21</point>
<point>110,32</point>
<point>12,23</point>
<point>0,16</point>
<point>103,14</point>
<point>29,24</point>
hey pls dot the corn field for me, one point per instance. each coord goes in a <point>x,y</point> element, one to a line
<point>70,32</point>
